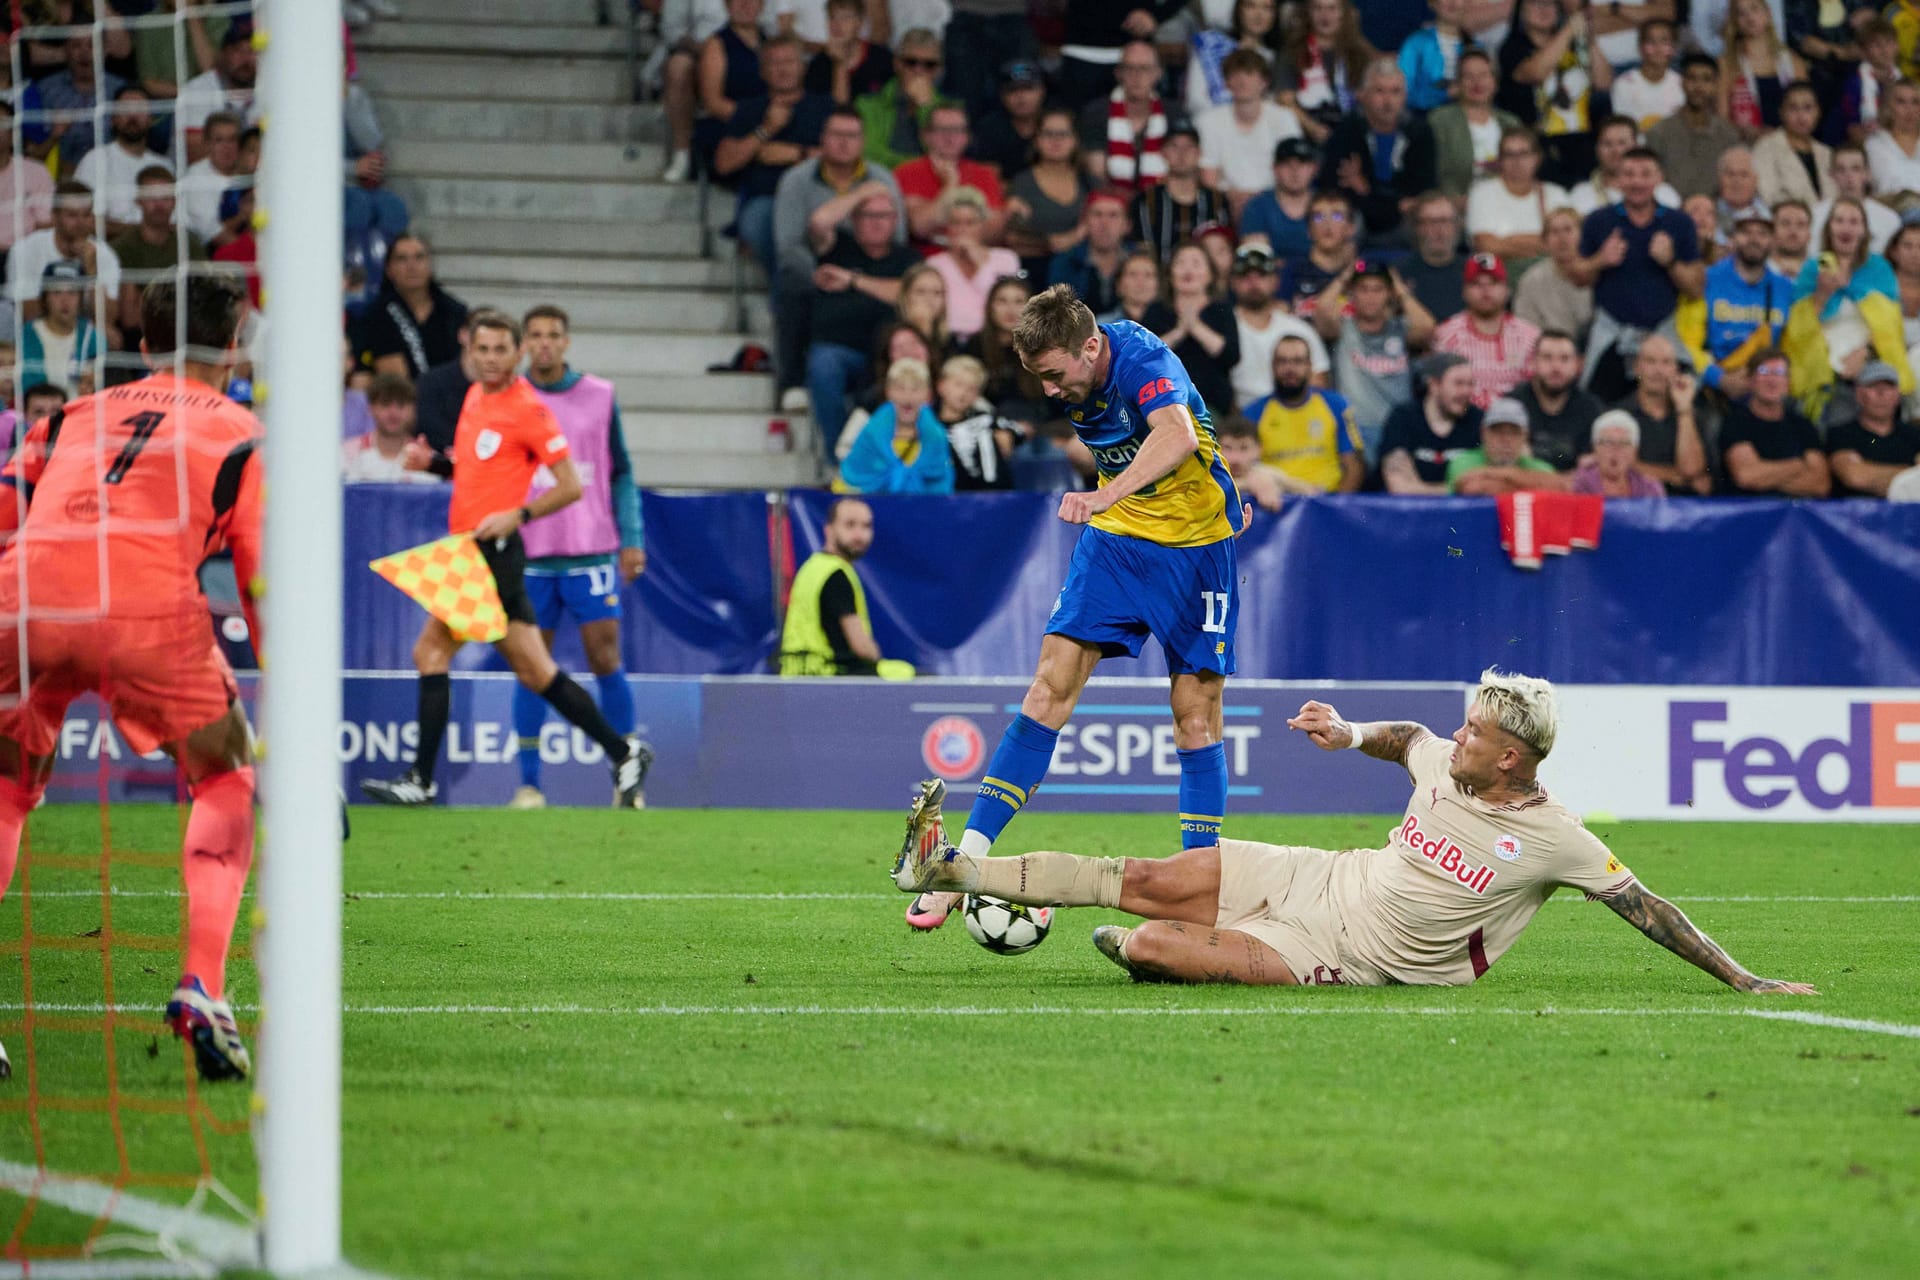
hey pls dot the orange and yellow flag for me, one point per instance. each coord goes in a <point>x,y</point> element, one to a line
<point>450,581</point>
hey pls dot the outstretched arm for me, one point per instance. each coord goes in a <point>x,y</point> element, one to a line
<point>1667,925</point>
<point>1383,739</point>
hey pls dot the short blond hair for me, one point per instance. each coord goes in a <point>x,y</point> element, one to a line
<point>908,372</point>
<point>1523,706</point>
<point>965,367</point>
<point>954,197</point>
<point>1053,319</point>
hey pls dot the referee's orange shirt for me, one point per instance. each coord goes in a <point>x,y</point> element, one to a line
<point>503,439</point>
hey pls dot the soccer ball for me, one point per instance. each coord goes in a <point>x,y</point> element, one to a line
<point>1006,928</point>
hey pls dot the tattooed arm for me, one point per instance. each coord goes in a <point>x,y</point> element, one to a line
<point>1383,740</point>
<point>1667,925</point>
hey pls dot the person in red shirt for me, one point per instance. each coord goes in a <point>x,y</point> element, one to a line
<point>116,500</point>
<point>944,167</point>
<point>504,437</point>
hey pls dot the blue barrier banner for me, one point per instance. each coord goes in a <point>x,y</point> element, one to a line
<point>1368,587</point>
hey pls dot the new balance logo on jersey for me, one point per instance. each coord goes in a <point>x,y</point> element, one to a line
<point>1443,853</point>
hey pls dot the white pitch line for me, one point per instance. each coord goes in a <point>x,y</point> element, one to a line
<point>1842,1024</point>
<point>222,1243</point>
<point>457,895</point>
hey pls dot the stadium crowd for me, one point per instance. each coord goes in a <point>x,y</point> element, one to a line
<point>1640,249</point>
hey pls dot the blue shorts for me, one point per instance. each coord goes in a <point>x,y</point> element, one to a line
<point>1120,590</point>
<point>588,593</point>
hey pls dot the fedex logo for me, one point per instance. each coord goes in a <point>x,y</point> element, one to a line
<point>1876,765</point>
<point>1443,853</point>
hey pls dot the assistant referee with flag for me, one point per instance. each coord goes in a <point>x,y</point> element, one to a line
<point>504,437</point>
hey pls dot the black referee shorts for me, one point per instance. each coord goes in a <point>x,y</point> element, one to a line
<point>507,558</point>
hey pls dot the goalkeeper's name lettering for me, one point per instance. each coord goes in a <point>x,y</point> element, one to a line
<point>1446,855</point>
<point>172,399</point>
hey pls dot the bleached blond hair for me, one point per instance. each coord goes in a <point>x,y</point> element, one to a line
<point>1523,706</point>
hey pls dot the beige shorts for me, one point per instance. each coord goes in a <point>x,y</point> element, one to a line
<point>1278,894</point>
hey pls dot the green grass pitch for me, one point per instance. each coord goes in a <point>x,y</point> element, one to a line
<point>586,1084</point>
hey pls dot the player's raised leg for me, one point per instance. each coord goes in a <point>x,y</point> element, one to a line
<point>433,659</point>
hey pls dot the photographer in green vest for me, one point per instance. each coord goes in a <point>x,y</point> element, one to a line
<point>828,631</point>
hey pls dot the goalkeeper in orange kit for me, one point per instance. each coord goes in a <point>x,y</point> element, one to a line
<point>115,502</point>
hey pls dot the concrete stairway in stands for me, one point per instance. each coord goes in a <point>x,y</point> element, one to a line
<point>512,138</point>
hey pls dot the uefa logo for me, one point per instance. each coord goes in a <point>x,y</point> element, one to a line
<point>953,748</point>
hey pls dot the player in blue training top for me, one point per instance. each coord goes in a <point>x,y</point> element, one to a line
<point>1158,560</point>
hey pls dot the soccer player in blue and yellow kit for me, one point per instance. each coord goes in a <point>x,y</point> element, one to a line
<point>1158,560</point>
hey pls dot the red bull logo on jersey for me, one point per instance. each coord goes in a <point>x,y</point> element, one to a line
<point>1443,853</point>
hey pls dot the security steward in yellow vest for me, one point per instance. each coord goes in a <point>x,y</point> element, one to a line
<point>828,630</point>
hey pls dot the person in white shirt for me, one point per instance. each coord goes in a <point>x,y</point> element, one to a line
<point>1651,91</point>
<point>26,189</point>
<point>1616,136</point>
<point>211,177</point>
<point>113,170</point>
<point>1853,180</point>
<point>1237,139</point>
<point>69,239</point>
<point>226,86</point>
<point>379,456</point>
<point>1507,213</point>
<point>1893,150</point>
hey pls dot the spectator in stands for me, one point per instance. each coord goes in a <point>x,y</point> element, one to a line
<point>225,86</point>
<point>1893,151</point>
<point>903,448</point>
<point>1006,137</point>
<point>210,177</point>
<point>980,439</point>
<point>25,185</point>
<point>1704,213</point>
<point>356,417</point>
<point>766,136</point>
<point>1430,57</point>
<point>1498,345</point>
<point>1792,235</point>
<point>1137,293</point>
<point>683,26</point>
<point>1768,447</point>
<point>1853,180</point>
<point>442,390</point>
<point>1092,265</point>
<point>1863,88</point>
<point>1615,136</point>
<point>1279,216</point>
<point>368,208</point>
<point>1507,214</point>
<point>1098,38</point>
<point>1260,324</point>
<point>1335,247</point>
<point>380,456</point>
<point>1903,255</point>
<point>1737,192</point>
<point>39,401</point>
<point>1501,463</point>
<point>1170,212</point>
<point>1614,469</point>
<point>856,286</point>
<point>1670,447</point>
<point>896,341</point>
<point>1846,313</point>
<point>1217,239</point>
<point>414,324</point>
<point>1552,79</point>
<point>152,244</point>
<point>1690,142</point>
<point>1048,198</point>
<point>944,168</point>
<point>1307,433</point>
<point>728,73</point>
<point>1204,332</point>
<point>1744,309</point>
<point>1326,58</point>
<point>60,345</point>
<point>243,250</point>
<point>1237,138</point>
<point>982,36</point>
<point>112,169</point>
<point>1436,270</point>
<point>1374,324</point>
<point>1651,91</point>
<point>1825,34</point>
<point>1012,390</point>
<point>1547,297</point>
<point>1122,132</point>
<point>1791,163</point>
<point>812,205</point>
<point>848,66</point>
<point>69,239</point>
<point>1257,482</point>
<point>1253,26</point>
<point>1422,437</point>
<point>967,265</point>
<point>1866,453</point>
<point>71,89</point>
<point>1755,67</point>
<point>828,631</point>
<point>1638,257</point>
<point>1467,131</point>
<point>923,304</point>
<point>1382,158</point>
<point>1560,412</point>
<point>897,115</point>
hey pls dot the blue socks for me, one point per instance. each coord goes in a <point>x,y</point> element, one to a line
<point>1017,767</point>
<point>1203,795</point>
<point>530,713</point>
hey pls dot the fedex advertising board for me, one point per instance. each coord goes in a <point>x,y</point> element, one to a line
<point>1849,755</point>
